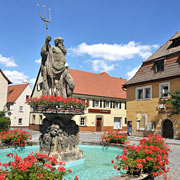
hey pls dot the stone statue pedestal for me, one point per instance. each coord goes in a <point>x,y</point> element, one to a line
<point>59,136</point>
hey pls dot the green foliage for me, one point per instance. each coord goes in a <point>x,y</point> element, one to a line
<point>173,103</point>
<point>4,123</point>
<point>2,114</point>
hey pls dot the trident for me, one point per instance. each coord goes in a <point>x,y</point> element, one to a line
<point>45,19</point>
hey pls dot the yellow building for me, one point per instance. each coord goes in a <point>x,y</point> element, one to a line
<point>159,74</point>
<point>103,93</point>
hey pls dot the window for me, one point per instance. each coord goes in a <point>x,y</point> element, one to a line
<point>151,126</point>
<point>106,104</point>
<point>27,97</point>
<point>82,121</point>
<point>39,86</point>
<point>164,88</point>
<point>96,103</point>
<point>142,123</point>
<point>144,92</point>
<point>175,43</point>
<point>20,121</point>
<point>116,104</point>
<point>159,66</point>
<point>117,123</point>
<point>20,108</point>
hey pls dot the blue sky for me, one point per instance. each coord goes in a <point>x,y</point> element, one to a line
<point>100,35</point>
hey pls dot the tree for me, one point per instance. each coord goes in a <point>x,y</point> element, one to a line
<point>173,103</point>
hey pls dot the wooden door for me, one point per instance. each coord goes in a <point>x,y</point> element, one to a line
<point>99,124</point>
<point>167,129</point>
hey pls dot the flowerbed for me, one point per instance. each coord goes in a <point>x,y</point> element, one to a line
<point>16,137</point>
<point>114,137</point>
<point>33,168</point>
<point>150,156</point>
<point>58,102</point>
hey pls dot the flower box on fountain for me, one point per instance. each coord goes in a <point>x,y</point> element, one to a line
<point>57,104</point>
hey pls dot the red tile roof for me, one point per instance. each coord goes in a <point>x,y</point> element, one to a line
<point>98,84</point>
<point>14,91</point>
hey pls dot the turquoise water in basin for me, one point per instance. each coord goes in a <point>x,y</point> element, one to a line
<point>96,164</point>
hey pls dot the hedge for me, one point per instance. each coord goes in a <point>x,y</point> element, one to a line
<point>4,123</point>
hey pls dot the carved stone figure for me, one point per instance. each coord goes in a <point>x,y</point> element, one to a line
<point>59,137</point>
<point>57,80</point>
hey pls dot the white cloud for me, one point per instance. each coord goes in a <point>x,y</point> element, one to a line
<point>16,77</point>
<point>131,73</point>
<point>7,61</point>
<point>38,60</point>
<point>114,52</point>
<point>102,66</point>
<point>32,81</point>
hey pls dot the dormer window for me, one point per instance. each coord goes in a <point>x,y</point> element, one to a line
<point>159,66</point>
<point>175,43</point>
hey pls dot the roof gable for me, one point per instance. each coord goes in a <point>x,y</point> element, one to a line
<point>9,82</point>
<point>14,91</point>
<point>167,53</point>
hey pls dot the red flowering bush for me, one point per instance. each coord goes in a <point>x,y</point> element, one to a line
<point>150,156</point>
<point>31,168</point>
<point>57,101</point>
<point>114,137</point>
<point>16,137</point>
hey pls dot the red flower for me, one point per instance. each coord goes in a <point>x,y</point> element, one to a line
<point>76,178</point>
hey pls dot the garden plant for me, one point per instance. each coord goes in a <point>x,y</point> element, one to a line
<point>33,167</point>
<point>16,137</point>
<point>113,137</point>
<point>150,157</point>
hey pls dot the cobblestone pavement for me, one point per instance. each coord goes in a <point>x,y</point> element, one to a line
<point>95,137</point>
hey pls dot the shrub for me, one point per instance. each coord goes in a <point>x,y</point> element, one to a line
<point>2,114</point>
<point>150,156</point>
<point>16,137</point>
<point>31,168</point>
<point>114,137</point>
<point>4,123</point>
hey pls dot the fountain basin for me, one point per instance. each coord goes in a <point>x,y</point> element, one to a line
<point>96,164</point>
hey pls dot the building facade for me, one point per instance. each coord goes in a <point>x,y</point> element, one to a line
<point>104,95</point>
<point>4,81</point>
<point>158,75</point>
<point>18,110</point>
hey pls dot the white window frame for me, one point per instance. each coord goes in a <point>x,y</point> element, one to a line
<point>116,105</point>
<point>150,126</point>
<point>96,103</point>
<point>163,84</point>
<point>84,121</point>
<point>20,108</point>
<point>107,104</point>
<point>138,123</point>
<point>143,88</point>
<point>21,121</point>
<point>120,123</point>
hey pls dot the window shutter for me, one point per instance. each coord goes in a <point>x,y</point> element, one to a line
<point>100,103</point>
<point>87,102</point>
<point>93,103</point>
<point>119,104</point>
<point>111,104</point>
<point>104,103</point>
